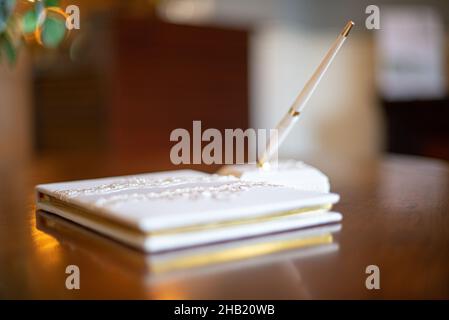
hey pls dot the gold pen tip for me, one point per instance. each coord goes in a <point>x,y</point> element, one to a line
<point>347,28</point>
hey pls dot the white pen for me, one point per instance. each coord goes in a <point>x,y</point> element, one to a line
<point>287,122</point>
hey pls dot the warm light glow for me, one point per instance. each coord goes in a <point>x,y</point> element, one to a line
<point>186,11</point>
<point>46,245</point>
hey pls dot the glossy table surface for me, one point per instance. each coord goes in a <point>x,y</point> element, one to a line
<point>395,216</point>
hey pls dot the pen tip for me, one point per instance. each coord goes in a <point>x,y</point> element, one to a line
<point>347,28</point>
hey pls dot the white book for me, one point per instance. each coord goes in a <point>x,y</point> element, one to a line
<point>177,209</point>
<point>207,259</point>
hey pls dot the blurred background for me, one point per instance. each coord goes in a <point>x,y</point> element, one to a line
<point>102,100</point>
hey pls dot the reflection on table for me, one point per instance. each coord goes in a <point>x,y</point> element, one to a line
<point>196,262</point>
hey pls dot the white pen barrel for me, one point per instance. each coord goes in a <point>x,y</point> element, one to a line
<point>301,100</point>
<point>313,82</point>
<point>282,130</point>
<point>286,123</point>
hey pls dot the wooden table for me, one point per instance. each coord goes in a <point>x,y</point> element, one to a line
<point>396,216</point>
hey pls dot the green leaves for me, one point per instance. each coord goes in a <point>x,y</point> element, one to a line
<point>7,49</point>
<point>44,21</point>
<point>53,31</point>
<point>6,8</point>
<point>51,3</point>
<point>29,21</point>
